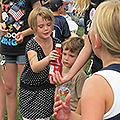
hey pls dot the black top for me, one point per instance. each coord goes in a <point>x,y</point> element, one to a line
<point>15,16</point>
<point>87,19</point>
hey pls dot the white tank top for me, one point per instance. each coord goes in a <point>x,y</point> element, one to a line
<point>112,75</point>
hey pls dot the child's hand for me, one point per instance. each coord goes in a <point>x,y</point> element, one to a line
<point>53,56</point>
<point>2,29</point>
<point>19,37</point>
<point>58,79</point>
<point>62,110</point>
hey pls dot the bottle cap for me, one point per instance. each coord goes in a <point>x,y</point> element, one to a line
<point>58,45</point>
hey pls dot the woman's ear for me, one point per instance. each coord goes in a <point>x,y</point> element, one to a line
<point>97,42</point>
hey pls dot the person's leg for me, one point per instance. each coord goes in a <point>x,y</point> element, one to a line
<point>21,63</point>
<point>2,99</point>
<point>10,79</point>
<point>20,68</point>
<point>10,74</point>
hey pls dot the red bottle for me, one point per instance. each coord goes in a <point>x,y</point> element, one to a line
<point>56,65</point>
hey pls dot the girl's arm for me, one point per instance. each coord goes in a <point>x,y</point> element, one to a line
<point>38,66</point>
<point>93,98</point>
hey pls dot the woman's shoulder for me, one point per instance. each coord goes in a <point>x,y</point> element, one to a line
<point>94,80</point>
<point>94,85</point>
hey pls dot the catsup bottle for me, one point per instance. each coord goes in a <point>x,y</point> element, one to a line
<point>56,65</point>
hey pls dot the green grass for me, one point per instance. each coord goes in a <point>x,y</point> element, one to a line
<point>80,32</point>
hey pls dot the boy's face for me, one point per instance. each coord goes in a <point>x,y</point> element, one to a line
<point>68,58</point>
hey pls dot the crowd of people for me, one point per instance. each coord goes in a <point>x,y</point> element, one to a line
<point>30,30</point>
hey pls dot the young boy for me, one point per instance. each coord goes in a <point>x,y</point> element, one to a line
<point>71,49</point>
<point>61,28</point>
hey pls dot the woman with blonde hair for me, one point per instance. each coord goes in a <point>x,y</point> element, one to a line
<point>100,94</point>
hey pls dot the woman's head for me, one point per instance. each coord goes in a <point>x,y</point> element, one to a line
<point>83,4</point>
<point>106,24</point>
<point>39,11</point>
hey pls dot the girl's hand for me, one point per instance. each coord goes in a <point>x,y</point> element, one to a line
<point>19,37</point>
<point>2,29</point>
<point>53,56</point>
<point>62,110</point>
<point>58,79</point>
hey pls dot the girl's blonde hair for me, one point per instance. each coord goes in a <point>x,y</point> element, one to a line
<point>83,4</point>
<point>106,23</point>
<point>45,13</point>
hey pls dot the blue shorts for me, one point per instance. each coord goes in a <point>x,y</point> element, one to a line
<point>13,59</point>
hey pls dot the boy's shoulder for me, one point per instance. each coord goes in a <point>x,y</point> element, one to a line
<point>60,19</point>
